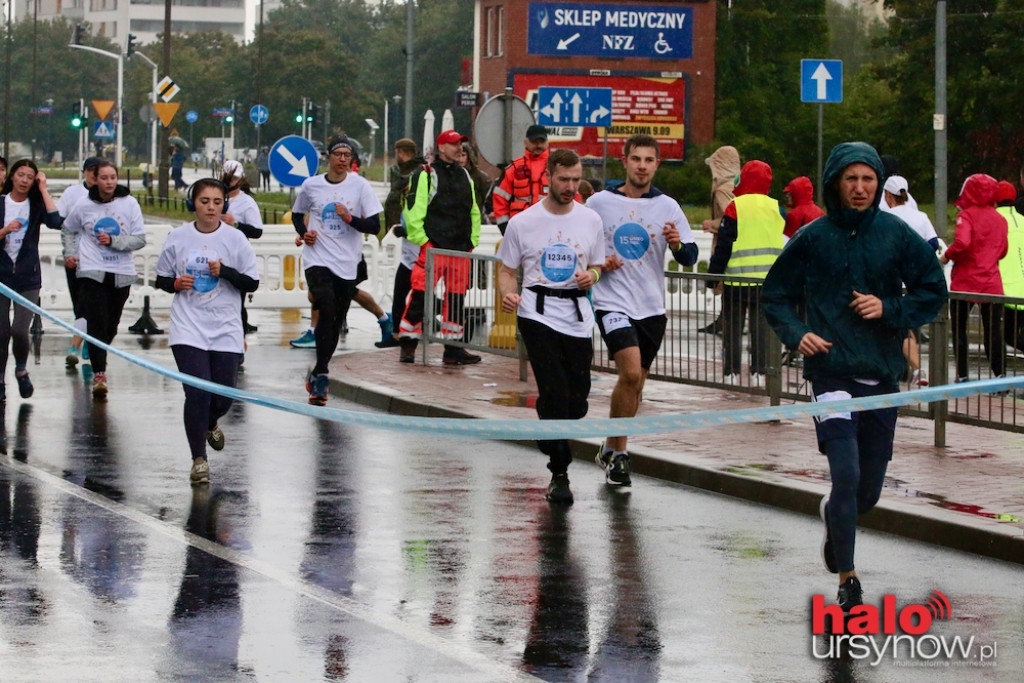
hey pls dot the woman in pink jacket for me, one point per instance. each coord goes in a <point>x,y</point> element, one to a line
<point>975,252</point>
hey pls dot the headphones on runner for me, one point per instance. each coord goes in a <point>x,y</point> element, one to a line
<point>190,195</point>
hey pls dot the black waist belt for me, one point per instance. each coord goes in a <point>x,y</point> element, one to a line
<point>574,294</point>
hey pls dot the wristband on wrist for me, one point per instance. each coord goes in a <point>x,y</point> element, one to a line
<point>597,274</point>
<point>677,247</point>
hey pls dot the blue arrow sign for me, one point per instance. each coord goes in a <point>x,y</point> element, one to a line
<point>259,114</point>
<point>574,106</point>
<point>103,130</point>
<point>821,80</point>
<point>191,116</point>
<point>293,159</point>
<point>566,29</point>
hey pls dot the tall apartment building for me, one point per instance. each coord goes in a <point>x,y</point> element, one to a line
<point>115,19</point>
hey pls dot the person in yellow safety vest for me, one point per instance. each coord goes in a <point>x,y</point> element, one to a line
<point>749,240</point>
<point>1011,267</point>
<point>525,181</point>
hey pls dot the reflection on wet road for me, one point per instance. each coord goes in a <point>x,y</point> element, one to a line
<point>327,552</point>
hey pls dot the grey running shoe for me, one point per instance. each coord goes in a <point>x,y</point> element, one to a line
<point>200,473</point>
<point>215,437</point>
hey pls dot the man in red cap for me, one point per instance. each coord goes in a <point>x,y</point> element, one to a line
<point>441,211</point>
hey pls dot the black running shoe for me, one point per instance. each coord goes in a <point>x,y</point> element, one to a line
<point>616,469</point>
<point>850,594</point>
<point>459,356</point>
<point>828,553</point>
<point>558,489</point>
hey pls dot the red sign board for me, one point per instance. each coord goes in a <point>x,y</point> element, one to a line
<point>653,105</point>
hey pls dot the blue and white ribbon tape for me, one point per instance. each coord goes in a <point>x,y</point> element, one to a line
<point>551,429</point>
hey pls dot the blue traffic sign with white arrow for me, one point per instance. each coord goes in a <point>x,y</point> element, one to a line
<point>821,80</point>
<point>293,159</point>
<point>560,106</point>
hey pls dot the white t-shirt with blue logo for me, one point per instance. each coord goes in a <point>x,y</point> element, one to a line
<point>551,249</point>
<point>15,211</point>
<point>120,216</point>
<point>208,316</point>
<point>633,232</point>
<point>339,246</point>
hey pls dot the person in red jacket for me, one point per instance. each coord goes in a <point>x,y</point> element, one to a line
<point>798,199</point>
<point>525,181</point>
<point>979,244</point>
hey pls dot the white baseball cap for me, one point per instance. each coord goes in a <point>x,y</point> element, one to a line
<point>234,168</point>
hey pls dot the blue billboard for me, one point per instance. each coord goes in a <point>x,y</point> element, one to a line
<point>569,29</point>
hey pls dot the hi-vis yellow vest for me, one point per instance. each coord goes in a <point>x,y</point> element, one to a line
<point>1011,267</point>
<point>759,237</point>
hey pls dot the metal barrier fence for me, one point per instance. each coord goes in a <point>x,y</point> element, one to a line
<point>687,355</point>
<point>692,352</point>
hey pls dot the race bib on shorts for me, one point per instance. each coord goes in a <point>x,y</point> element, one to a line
<point>614,321</point>
<point>558,262</point>
<point>631,241</point>
<point>833,396</point>
<point>198,266</point>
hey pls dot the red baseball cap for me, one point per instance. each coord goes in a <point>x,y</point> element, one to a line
<point>450,137</point>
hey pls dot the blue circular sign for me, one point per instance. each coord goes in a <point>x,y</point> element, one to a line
<point>259,114</point>
<point>191,116</point>
<point>293,159</point>
<point>631,241</point>
<point>558,262</point>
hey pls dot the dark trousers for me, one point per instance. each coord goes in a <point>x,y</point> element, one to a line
<point>859,448</point>
<point>992,337</point>
<point>16,332</point>
<point>72,277</point>
<point>203,409</point>
<point>101,304</point>
<point>332,297</point>
<point>561,367</point>
<point>1013,327</point>
<point>737,304</point>
<point>403,285</point>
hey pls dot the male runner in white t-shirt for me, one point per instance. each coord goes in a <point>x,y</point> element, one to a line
<point>342,207</point>
<point>560,246</point>
<point>640,223</point>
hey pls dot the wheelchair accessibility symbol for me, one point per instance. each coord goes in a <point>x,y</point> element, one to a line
<point>661,45</point>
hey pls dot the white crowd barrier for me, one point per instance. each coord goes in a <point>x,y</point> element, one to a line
<point>280,266</point>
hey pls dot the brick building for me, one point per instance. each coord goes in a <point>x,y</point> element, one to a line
<point>657,57</point>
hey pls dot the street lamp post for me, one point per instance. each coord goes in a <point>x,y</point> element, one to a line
<point>152,124</point>
<point>120,91</point>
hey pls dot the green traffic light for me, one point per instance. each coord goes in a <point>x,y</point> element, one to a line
<point>76,122</point>
<point>298,118</point>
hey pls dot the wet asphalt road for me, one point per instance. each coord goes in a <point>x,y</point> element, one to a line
<point>324,552</point>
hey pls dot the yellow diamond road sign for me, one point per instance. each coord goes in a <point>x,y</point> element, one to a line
<point>167,89</point>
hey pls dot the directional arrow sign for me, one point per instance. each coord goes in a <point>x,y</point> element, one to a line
<point>293,159</point>
<point>821,80</point>
<point>574,106</point>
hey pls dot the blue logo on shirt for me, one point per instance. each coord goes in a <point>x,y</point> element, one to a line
<point>331,219</point>
<point>558,262</point>
<point>631,241</point>
<point>108,225</point>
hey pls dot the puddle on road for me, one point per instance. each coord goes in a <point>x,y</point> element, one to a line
<point>516,399</point>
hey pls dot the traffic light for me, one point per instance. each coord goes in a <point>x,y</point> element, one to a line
<point>130,47</point>
<point>230,118</point>
<point>77,120</point>
<point>79,34</point>
<point>298,116</point>
<point>312,114</point>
